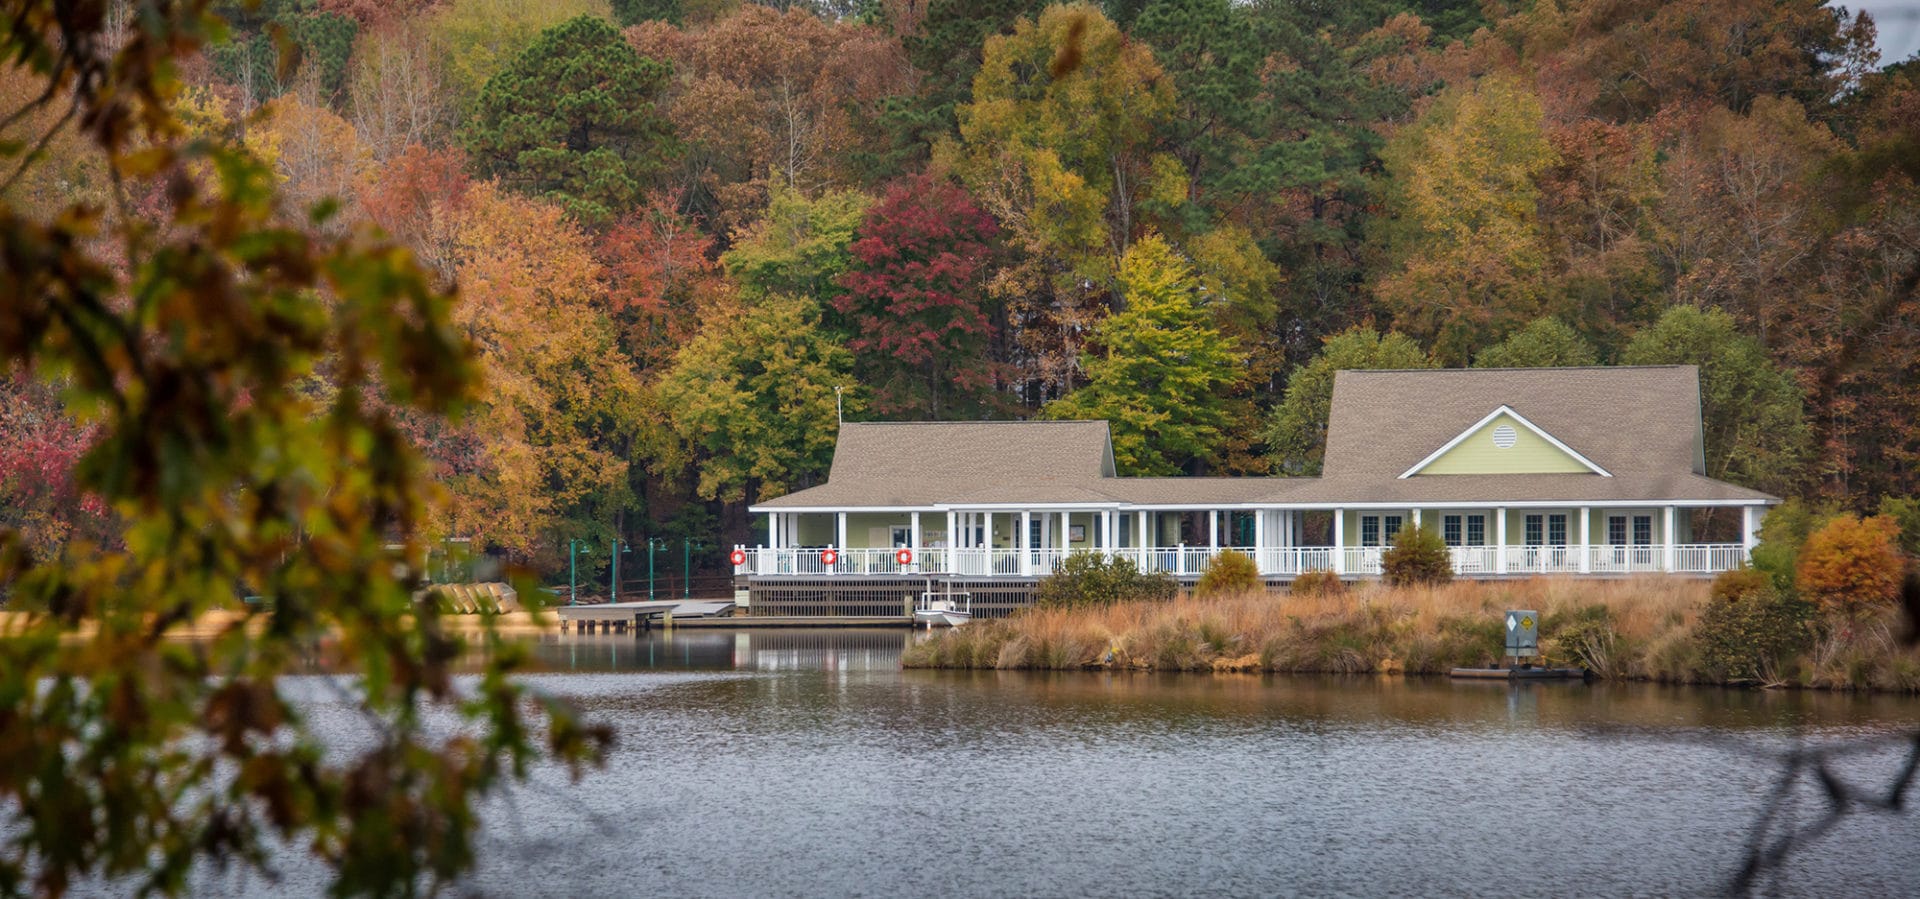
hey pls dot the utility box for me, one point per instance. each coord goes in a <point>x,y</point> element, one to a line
<point>1523,633</point>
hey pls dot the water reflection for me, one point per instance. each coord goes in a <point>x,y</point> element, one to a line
<point>805,763</point>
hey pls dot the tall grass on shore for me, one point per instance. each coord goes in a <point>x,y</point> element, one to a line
<point>1639,628</point>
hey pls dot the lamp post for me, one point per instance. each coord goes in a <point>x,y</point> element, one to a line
<point>653,543</point>
<point>573,571</point>
<point>687,546</point>
<point>614,596</point>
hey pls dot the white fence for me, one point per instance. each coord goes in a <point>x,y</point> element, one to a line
<point>1278,561</point>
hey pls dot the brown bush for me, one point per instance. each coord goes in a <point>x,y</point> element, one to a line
<point>1740,583</point>
<point>1851,564</point>
<point>1230,572</point>
<point>1317,583</point>
<point>1417,558</point>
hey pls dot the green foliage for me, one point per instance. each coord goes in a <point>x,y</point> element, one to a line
<point>1544,343</point>
<point>754,396</point>
<point>192,335</point>
<point>1782,533</point>
<point>1095,579</point>
<point>1230,572</point>
<point>1749,631</point>
<point>633,12</point>
<point>1905,512</point>
<point>1296,435</point>
<point>800,247</point>
<point>476,39</point>
<point>572,118</point>
<point>1318,582</point>
<point>1752,411</point>
<point>1417,558</point>
<point>322,42</point>
<point>1165,374</point>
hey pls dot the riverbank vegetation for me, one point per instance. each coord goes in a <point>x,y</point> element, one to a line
<point>1660,629</point>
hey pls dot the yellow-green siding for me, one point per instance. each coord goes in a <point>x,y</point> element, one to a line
<point>1529,454</point>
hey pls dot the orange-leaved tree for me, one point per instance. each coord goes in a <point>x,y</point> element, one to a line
<point>1852,564</point>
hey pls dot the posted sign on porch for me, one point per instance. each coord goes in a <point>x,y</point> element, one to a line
<point>1523,633</point>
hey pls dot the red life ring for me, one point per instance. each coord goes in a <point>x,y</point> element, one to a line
<point>739,557</point>
<point>904,556</point>
<point>828,557</point>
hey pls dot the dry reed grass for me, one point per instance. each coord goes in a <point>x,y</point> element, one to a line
<point>1639,628</point>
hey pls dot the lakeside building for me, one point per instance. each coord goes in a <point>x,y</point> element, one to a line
<point>1594,471</point>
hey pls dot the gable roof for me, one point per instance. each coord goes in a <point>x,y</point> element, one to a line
<point>1508,412</point>
<point>921,463</point>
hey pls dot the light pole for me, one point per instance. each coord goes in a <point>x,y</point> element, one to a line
<point>687,547</point>
<point>574,549</point>
<point>653,543</point>
<point>614,594</point>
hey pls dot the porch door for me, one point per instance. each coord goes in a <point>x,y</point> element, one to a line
<point>1643,540</point>
<point>1379,530</point>
<point>1546,536</point>
<point>1461,529</point>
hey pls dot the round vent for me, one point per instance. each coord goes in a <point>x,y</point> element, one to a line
<point>1504,437</point>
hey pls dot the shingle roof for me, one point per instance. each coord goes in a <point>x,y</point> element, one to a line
<point>926,462</point>
<point>1641,424</point>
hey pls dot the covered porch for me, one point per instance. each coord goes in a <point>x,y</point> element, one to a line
<point>1033,541</point>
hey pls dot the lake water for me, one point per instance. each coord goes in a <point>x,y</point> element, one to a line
<point>805,763</point>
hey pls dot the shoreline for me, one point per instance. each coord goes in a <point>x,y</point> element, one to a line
<point>1638,630</point>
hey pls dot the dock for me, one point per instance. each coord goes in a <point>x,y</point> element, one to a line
<point>619,617</point>
<point>1526,672</point>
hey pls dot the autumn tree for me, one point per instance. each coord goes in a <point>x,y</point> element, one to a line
<point>1545,342</point>
<point>562,411</point>
<point>754,396</point>
<point>916,300</point>
<point>1466,257</point>
<point>1851,565</point>
<point>420,197</point>
<point>1058,144</point>
<point>1751,411</point>
<point>191,337</point>
<point>397,94</point>
<point>572,118</point>
<point>321,42</point>
<point>1296,434</point>
<point>1162,375</point>
<point>661,278</point>
<point>316,154</point>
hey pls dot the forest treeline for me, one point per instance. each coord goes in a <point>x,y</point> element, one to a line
<point>686,235</point>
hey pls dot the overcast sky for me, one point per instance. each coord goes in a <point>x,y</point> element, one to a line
<point>1899,23</point>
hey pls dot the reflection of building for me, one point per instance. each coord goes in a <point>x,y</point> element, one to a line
<point>1578,471</point>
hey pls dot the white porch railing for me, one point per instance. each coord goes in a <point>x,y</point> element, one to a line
<point>1191,561</point>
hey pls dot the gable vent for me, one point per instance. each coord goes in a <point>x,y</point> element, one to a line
<point>1504,437</point>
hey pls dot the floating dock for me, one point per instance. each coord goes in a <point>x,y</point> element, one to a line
<point>619,617</point>
<point>1523,672</point>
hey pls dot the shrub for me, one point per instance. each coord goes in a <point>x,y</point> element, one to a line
<point>1094,579</point>
<point>1418,557</point>
<point>1230,572</point>
<point>1851,564</point>
<point>1782,533</point>
<point>1749,629</point>
<point>1905,511</point>
<point>1317,583</point>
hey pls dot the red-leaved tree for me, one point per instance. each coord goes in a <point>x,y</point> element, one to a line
<point>916,300</point>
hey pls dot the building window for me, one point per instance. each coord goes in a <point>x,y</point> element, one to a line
<point>1642,530</point>
<point>1389,527</point>
<point>1556,530</point>
<point>902,537</point>
<point>1450,529</point>
<point>1369,530</point>
<point>1476,530</point>
<point>1617,530</point>
<point>1535,525</point>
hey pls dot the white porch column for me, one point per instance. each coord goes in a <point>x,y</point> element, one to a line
<point>1500,540</point>
<point>1213,531</point>
<point>986,534</point>
<point>1260,540</point>
<point>1339,541</point>
<point>773,529</point>
<point>1020,542</point>
<point>1749,528</point>
<point>1667,534</point>
<point>1416,518</point>
<point>1586,535</point>
<point>841,530</point>
<point>914,537</point>
<point>1066,542</point>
